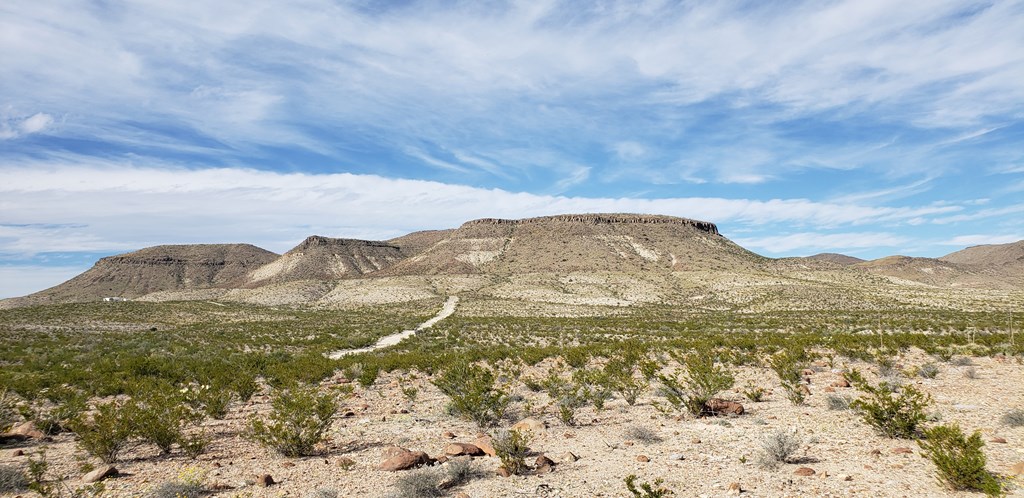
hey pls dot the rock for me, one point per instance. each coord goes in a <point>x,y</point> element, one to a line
<point>841,383</point>
<point>544,469</point>
<point>569,435</point>
<point>677,456</point>
<point>1017,468</point>
<point>804,471</point>
<point>392,451</point>
<point>461,495</point>
<point>100,473</point>
<point>902,450</point>
<point>718,407</point>
<point>875,452</point>
<point>530,424</point>
<point>568,457</point>
<point>486,445</point>
<point>845,477</point>
<point>456,449</point>
<point>265,481</point>
<point>27,429</point>
<point>543,460</point>
<point>404,460</point>
<point>503,472</point>
<point>807,372</point>
<point>997,440</point>
<point>830,389</point>
<point>805,390</point>
<point>346,463</point>
<point>442,459</point>
<point>17,453</point>
<point>288,464</point>
<point>643,458</point>
<point>627,443</point>
<point>734,489</point>
<point>448,435</point>
<point>695,440</point>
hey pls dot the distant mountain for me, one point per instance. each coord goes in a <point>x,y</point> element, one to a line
<point>989,255</point>
<point>325,258</point>
<point>831,257</point>
<point>161,268</point>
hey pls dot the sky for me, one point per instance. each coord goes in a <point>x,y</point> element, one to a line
<point>866,127</point>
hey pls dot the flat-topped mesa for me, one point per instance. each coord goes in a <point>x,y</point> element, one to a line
<point>321,241</point>
<point>600,219</point>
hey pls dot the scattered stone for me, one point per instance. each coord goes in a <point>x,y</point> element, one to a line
<point>719,406</point>
<point>503,472</point>
<point>456,449</point>
<point>569,435</point>
<point>100,473</point>
<point>805,390</point>
<point>875,452</point>
<point>734,489</point>
<point>998,440</point>
<point>461,495</point>
<point>265,481</point>
<point>807,372</point>
<point>448,435</point>
<point>628,443</point>
<point>530,424</point>
<point>804,471</point>
<point>486,445</point>
<point>643,458</point>
<point>902,450</point>
<point>1017,468</point>
<point>841,383</point>
<point>543,460</point>
<point>288,464</point>
<point>17,453</point>
<point>346,463</point>
<point>27,429</point>
<point>695,440</point>
<point>845,477</point>
<point>404,459</point>
<point>677,456</point>
<point>568,457</point>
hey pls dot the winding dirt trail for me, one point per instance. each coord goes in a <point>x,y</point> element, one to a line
<point>391,340</point>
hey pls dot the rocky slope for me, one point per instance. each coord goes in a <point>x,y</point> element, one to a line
<point>161,268</point>
<point>325,258</point>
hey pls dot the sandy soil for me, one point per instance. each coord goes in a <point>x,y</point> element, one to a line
<point>393,339</point>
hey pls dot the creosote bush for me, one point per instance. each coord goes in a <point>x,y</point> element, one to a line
<point>512,447</point>
<point>107,432</point>
<point>297,423</point>
<point>959,461</point>
<point>473,393</point>
<point>1013,418</point>
<point>641,434</point>
<point>160,414</point>
<point>788,365</point>
<point>8,413</point>
<point>893,414</point>
<point>12,479</point>
<point>419,483</point>
<point>701,381</point>
<point>646,489</point>
<point>928,371</point>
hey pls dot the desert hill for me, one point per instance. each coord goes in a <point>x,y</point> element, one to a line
<point>839,259</point>
<point>988,255</point>
<point>161,268</point>
<point>325,258</point>
<point>623,243</point>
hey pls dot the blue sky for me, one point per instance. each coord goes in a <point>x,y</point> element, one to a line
<point>864,127</point>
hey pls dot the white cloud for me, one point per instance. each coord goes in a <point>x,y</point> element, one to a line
<point>14,127</point>
<point>975,240</point>
<point>36,123</point>
<point>816,242</point>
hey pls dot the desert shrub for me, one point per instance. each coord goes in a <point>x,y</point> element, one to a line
<point>788,365</point>
<point>568,394</point>
<point>419,483</point>
<point>959,461</point>
<point>970,373</point>
<point>12,479</point>
<point>211,400</point>
<point>701,382</point>
<point>512,448</point>
<point>838,403</point>
<point>645,489</point>
<point>159,416</point>
<point>754,393</point>
<point>175,490</point>
<point>38,466</point>
<point>473,393</point>
<point>928,371</point>
<point>895,415</point>
<point>194,444</point>
<point>642,434</point>
<point>460,471</point>
<point>1013,418</point>
<point>778,447</point>
<point>107,432</point>
<point>628,373</point>
<point>53,414</point>
<point>297,422</point>
<point>8,411</point>
<point>961,361</point>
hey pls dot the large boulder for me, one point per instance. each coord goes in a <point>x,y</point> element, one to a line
<point>403,459</point>
<point>719,407</point>
<point>459,449</point>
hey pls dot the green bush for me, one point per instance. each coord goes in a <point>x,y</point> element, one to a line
<point>8,411</point>
<point>160,416</point>
<point>107,432</point>
<point>893,414</point>
<point>754,393</point>
<point>569,395</point>
<point>419,483</point>
<point>701,382</point>
<point>628,372</point>
<point>646,490</point>
<point>297,422</point>
<point>512,448</point>
<point>473,393</point>
<point>959,461</point>
<point>778,447</point>
<point>788,365</point>
<point>928,371</point>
